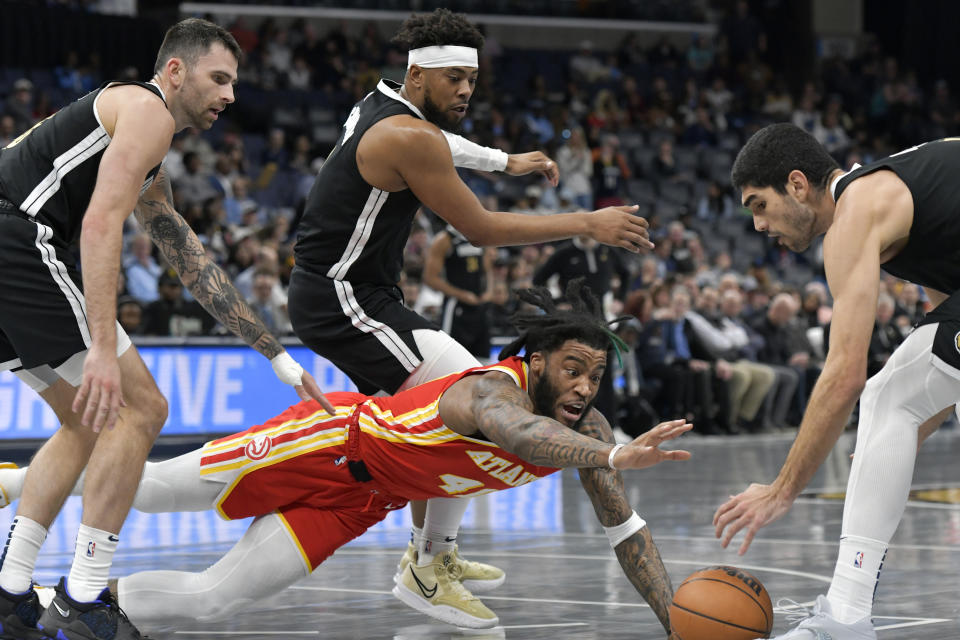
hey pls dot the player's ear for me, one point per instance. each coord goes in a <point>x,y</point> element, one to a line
<point>797,184</point>
<point>415,77</point>
<point>537,363</point>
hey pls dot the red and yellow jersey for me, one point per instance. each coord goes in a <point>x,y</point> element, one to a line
<point>301,456</point>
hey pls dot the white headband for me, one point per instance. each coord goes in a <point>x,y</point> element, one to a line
<point>442,56</point>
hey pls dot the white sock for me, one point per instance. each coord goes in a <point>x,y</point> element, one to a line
<point>416,536</point>
<point>11,483</point>
<point>440,527</point>
<point>20,554</point>
<point>91,563</point>
<point>855,578</point>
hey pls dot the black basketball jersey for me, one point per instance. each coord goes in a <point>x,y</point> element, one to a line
<point>931,256</point>
<point>351,230</point>
<point>463,266</point>
<point>50,171</point>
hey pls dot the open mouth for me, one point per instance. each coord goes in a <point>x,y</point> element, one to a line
<point>572,411</point>
<point>461,109</point>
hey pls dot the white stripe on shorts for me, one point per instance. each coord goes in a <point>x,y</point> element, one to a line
<point>385,334</point>
<point>58,271</point>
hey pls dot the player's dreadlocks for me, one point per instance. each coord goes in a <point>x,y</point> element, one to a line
<point>547,331</point>
<point>442,27</point>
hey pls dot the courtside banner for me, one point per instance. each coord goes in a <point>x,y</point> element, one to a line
<point>210,389</point>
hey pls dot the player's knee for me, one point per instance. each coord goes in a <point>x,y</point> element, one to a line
<point>153,411</point>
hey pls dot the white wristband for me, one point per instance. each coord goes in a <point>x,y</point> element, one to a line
<point>470,155</point>
<point>287,369</point>
<point>613,452</point>
<point>621,532</point>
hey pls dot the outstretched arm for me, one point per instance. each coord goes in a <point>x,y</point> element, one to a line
<point>638,554</point>
<point>504,413</point>
<point>212,288</point>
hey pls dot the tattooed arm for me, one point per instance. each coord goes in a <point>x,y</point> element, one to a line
<point>504,413</point>
<point>638,554</point>
<point>210,285</point>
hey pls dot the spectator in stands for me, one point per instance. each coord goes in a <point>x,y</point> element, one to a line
<point>886,336</point>
<point>171,315</point>
<point>787,349</point>
<point>910,308</point>
<point>610,173</point>
<point>19,105</point>
<point>194,184</point>
<point>586,67</point>
<point>575,163</point>
<point>271,308</point>
<point>716,204</point>
<point>130,315</point>
<point>8,130</point>
<point>141,270</point>
<point>748,398</point>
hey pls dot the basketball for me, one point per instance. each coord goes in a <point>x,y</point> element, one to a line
<point>721,603</point>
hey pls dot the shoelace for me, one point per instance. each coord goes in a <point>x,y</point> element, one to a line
<point>114,603</point>
<point>795,612</point>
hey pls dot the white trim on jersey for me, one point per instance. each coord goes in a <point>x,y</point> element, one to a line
<point>58,271</point>
<point>361,233</point>
<point>448,308</point>
<point>383,88</point>
<point>62,165</point>
<point>385,334</point>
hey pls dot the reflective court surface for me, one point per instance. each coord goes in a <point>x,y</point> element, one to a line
<point>563,580</point>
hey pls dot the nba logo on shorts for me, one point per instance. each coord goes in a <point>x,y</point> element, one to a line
<point>858,560</point>
<point>258,448</point>
<point>91,548</point>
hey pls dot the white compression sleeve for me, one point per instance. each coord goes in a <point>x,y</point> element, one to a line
<point>264,561</point>
<point>909,389</point>
<point>470,155</point>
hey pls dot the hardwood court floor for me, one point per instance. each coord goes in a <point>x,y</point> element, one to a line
<point>562,578</point>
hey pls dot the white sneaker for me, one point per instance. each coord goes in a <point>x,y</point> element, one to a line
<point>819,624</point>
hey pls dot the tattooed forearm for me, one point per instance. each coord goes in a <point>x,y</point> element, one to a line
<point>638,554</point>
<point>640,560</point>
<point>206,281</point>
<point>504,414</point>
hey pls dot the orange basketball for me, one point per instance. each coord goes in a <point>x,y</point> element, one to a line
<point>721,603</point>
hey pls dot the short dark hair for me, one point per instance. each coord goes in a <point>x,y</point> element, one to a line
<point>191,38</point>
<point>440,28</point>
<point>773,152</point>
<point>547,330</point>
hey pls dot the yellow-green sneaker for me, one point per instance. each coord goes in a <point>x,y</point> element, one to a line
<point>4,496</point>
<point>410,555</point>
<point>435,589</point>
<point>477,576</point>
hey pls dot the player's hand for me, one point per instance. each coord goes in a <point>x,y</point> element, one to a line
<point>100,395</point>
<point>645,450</point>
<point>753,509</point>
<point>620,227</point>
<point>290,372</point>
<point>520,164</point>
<point>470,298</point>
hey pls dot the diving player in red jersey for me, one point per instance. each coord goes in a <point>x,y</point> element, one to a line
<point>316,481</point>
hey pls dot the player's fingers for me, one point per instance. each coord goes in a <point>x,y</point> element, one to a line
<point>90,410</point>
<point>751,532</point>
<point>80,399</point>
<point>677,454</point>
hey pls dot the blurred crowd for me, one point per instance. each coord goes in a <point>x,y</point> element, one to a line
<point>724,326</point>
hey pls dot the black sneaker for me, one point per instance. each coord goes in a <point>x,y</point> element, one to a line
<point>19,614</point>
<point>102,619</point>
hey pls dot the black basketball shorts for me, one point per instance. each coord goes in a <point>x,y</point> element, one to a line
<point>363,329</point>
